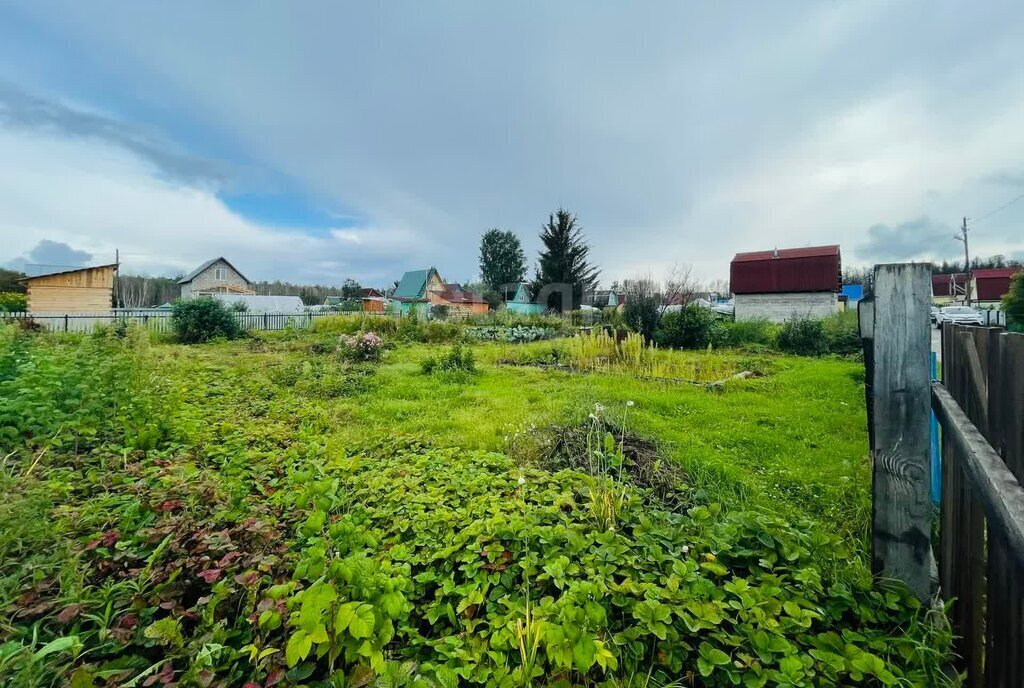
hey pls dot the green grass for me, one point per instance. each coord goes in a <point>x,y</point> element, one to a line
<point>263,510</point>
<point>793,441</point>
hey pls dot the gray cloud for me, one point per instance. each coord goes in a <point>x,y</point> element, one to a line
<point>914,239</point>
<point>19,108</point>
<point>51,254</point>
<point>677,132</point>
<point>1011,178</point>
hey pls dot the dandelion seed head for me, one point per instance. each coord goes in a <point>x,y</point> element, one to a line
<point>629,403</point>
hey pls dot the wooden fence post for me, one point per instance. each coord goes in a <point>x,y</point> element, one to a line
<point>901,500</point>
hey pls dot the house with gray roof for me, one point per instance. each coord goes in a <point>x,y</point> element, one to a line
<point>215,276</point>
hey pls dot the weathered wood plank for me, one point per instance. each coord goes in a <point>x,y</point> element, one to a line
<point>977,385</point>
<point>963,528</point>
<point>900,481</point>
<point>994,486</point>
<point>1005,623</point>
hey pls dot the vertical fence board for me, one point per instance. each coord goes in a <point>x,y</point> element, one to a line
<point>901,545</point>
<point>1005,640</point>
<point>969,532</point>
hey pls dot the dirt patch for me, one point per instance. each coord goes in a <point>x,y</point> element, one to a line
<point>644,465</point>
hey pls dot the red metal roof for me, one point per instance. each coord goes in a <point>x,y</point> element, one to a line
<point>997,272</point>
<point>941,284</point>
<point>782,253</point>
<point>993,283</point>
<point>811,268</point>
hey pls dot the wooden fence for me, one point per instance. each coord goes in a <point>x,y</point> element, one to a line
<point>160,320</point>
<point>979,404</point>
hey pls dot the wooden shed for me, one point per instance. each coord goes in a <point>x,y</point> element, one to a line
<point>72,290</point>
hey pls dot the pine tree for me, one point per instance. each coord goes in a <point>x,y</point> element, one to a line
<point>563,260</point>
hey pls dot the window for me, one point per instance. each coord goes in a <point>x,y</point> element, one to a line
<point>220,274</point>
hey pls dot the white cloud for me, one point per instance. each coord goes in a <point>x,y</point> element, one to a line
<point>99,198</point>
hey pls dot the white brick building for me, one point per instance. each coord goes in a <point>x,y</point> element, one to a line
<point>783,284</point>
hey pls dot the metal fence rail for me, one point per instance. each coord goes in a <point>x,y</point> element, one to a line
<point>157,320</point>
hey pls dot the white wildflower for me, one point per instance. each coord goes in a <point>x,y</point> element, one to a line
<point>686,549</point>
<point>611,529</point>
<point>629,403</point>
<point>522,480</point>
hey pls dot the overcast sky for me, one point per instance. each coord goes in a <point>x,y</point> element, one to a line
<point>315,141</point>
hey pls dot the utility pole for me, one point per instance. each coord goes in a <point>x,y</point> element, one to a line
<point>967,258</point>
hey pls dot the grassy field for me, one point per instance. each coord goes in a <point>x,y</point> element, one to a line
<point>792,440</point>
<point>264,512</point>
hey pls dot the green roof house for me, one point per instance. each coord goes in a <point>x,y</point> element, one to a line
<point>519,301</point>
<point>413,291</point>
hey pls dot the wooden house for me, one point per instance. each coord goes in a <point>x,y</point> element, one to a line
<point>419,290</point>
<point>517,300</point>
<point>215,276</point>
<point>372,300</point>
<point>72,290</point>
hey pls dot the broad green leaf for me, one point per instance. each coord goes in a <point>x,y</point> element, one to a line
<point>361,625</point>
<point>298,648</point>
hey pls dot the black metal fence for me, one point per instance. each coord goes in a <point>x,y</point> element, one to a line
<point>157,320</point>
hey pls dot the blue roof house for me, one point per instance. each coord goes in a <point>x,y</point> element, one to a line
<point>520,301</point>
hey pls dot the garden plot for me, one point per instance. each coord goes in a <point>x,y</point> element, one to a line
<point>284,512</point>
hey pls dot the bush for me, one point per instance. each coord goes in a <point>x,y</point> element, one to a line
<point>842,333</point>
<point>803,337</point>
<point>1013,304</point>
<point>642,312</point>
<point>691,327</point>
<point>751,333</point>
<point>358,322</point>
<point>440,311</point>
<point>13,302</point>
<point>200,320</point>
<point>366,346</point>
<point>459,359</point>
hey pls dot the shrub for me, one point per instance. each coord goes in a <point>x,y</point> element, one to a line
<point>366,346</point>
<point>691,327</point>
<point>751,333</point>
<point>440,331</point>
<point>202,319</point>
<point>358,322</point>
<point>458,359</point>
<point>440,311</point>
<point>803,337</point>
<point>642,311</point>
<point>1013,304</point>
<point>842,333</point>
<point>13,302</point>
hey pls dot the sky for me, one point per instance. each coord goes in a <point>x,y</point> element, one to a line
<point>315,141</point>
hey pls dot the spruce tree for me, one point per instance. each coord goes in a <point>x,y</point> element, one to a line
<point>563,260</point>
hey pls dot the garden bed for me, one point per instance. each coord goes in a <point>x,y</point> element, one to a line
<point>230,513</point>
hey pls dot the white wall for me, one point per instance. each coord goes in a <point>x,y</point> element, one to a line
<point>782,307</point>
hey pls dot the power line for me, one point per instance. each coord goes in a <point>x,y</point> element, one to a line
<point>993,212</point>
